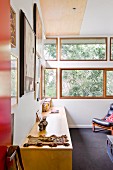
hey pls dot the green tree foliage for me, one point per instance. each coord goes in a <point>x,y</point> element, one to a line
<point>50,51</point>
<point>13,83</point>
<point>13,76</point>
<point>112,51</point>
<point>82,83</point>
<point>50,83</point>
<point>109,83</point>
<point>83,52</point>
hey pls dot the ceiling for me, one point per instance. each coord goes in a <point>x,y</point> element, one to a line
<point>62,17</point>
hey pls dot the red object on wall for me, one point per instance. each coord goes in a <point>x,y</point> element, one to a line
<point>5,80</point>
<point>3,151</point>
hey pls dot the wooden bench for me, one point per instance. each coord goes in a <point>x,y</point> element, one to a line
<point>49,158</point>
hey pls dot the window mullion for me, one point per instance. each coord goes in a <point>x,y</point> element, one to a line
<point>104,83</point>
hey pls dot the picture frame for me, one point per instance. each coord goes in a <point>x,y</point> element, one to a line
<point>13,27</point>
<point>38,30</point>
<point>27,56</point>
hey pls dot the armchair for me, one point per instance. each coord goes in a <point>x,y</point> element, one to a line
<point>104,124</point>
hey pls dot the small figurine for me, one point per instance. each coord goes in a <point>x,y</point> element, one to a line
<point>43,123</point>
<point>37,117</point>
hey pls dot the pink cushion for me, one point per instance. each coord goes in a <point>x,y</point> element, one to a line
<point>110,118</point>
<point>3,151</point>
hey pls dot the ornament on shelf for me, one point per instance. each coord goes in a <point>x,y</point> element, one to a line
<point>43,123</point>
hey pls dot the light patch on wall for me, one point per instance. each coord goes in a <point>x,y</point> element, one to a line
<point>5,85</point>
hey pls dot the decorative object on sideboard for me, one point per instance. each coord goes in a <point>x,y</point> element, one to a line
<point>43,123</point>
<point>13,27</point>
<point>54,111</point>
<point>37,117</point>
<point>46,105</point>
<point>52,141</point>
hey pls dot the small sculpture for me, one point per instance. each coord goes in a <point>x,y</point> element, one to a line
<point>52,141</point>
<point>43,123</point>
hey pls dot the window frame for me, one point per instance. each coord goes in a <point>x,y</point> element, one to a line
<point>104,96</point>
<point>56,83</point>
<point>56,49</point>
<point>42,84</point>
<point>37,88</point>
<point>106,43</point>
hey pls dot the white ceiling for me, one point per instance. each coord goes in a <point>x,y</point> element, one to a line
<point>92,17</point>
<point>98,18</point>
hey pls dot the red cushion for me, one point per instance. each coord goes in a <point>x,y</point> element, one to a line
<point>110,118</point>
<point>3,151</point>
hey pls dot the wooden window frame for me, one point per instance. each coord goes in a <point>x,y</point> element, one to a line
<point>85,97</point>
<point>106,43</point>
<point>56,83</point>
<point>56,48</point>
<point>42,82</point>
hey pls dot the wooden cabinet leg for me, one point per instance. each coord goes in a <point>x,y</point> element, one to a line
<point>93,127</point>
<point>111,130</point>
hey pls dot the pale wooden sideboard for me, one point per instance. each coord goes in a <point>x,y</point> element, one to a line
<point>49,158</point>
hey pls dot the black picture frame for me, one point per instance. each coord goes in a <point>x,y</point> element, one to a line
<point>27,56</point>
<point>37,26</point>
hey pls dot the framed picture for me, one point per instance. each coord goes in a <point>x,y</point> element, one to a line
<point>13,27</point>
<point>27,56</point>
<point>38,30</point>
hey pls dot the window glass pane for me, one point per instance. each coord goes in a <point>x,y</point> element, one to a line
<point>82,83</point>
<point>109,90</point>
<point>37,78</point>
<point>83,49</point>
<point>50,83</point>
<point>50,49</point>
<point>42,90</point>
<point>111,48</point>
<point>13,80</point>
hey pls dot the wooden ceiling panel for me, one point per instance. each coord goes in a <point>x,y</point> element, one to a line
<point>60,18</point>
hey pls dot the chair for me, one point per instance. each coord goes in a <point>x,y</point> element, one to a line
<point>10,158</point>
<point>104,124</point>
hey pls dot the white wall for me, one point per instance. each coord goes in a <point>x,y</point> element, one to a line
<point>25,110</point>
<point>81,111</point>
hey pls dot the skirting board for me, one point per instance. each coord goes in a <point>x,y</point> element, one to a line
<point>80,126</point>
